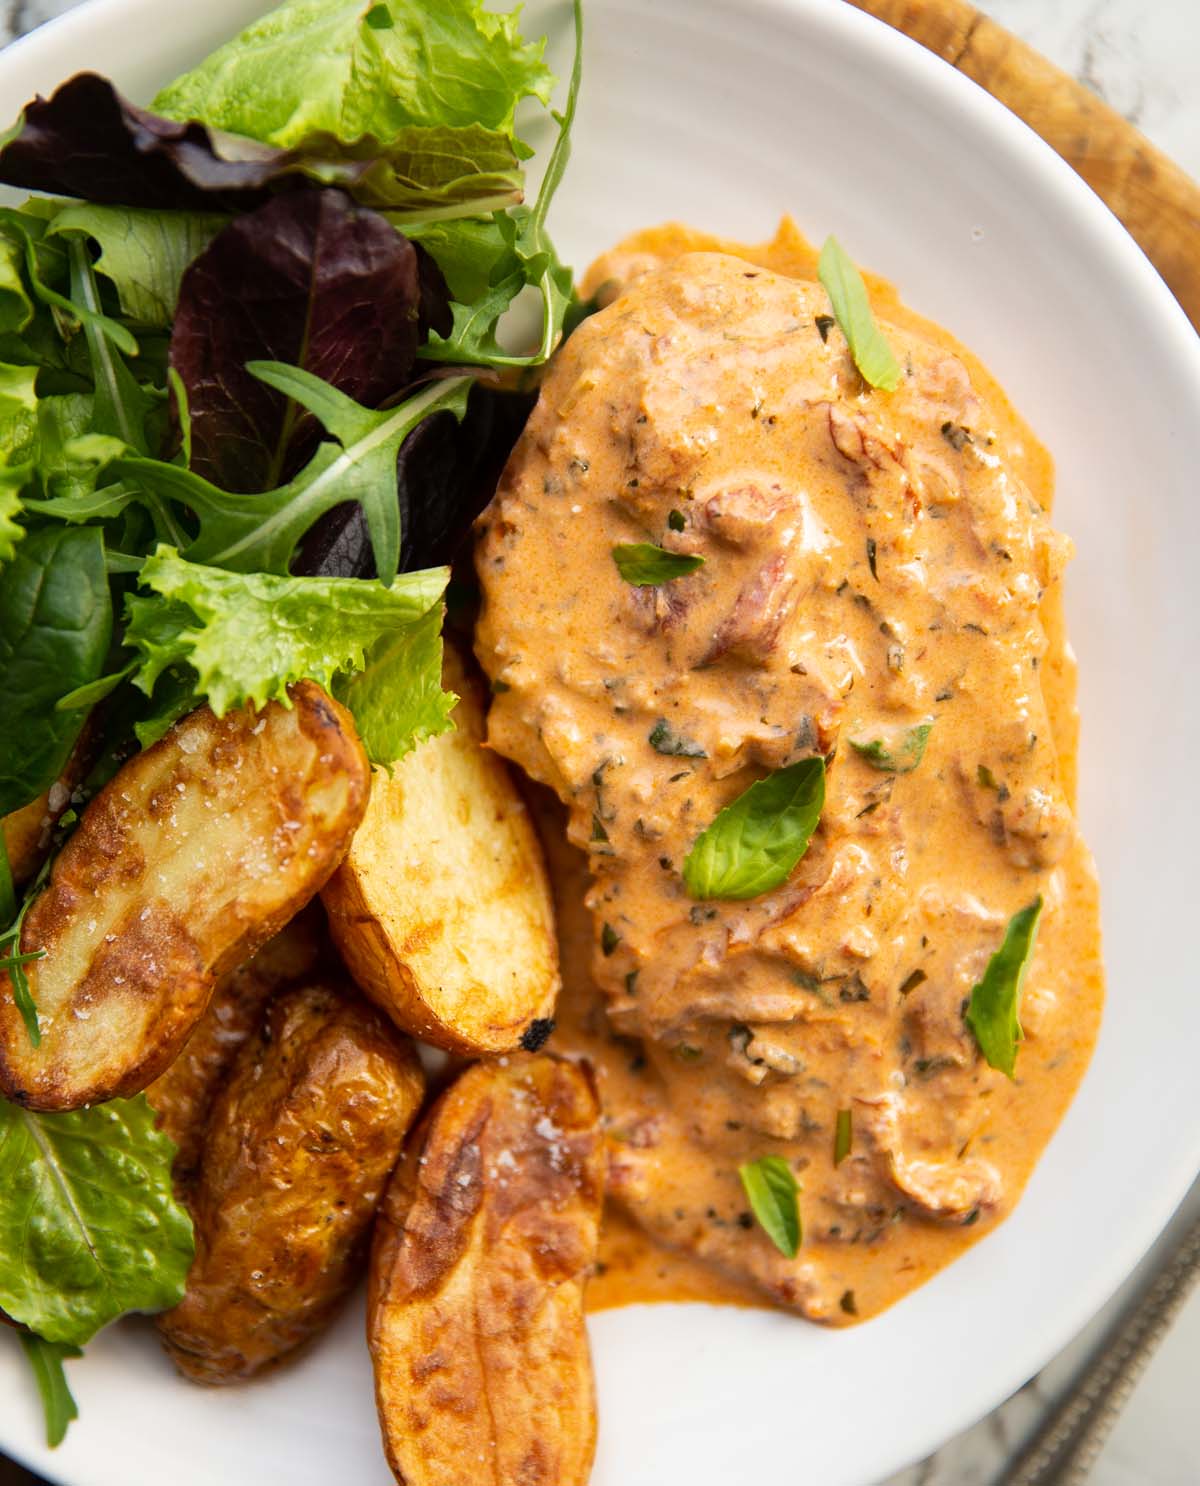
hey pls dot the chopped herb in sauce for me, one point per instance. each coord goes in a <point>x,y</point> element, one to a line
<point>871,555</point>
<point>609,939</point>
<point>956,435</point>
<point>825,324</point>
<point>755,842</point>
<point>896,758</point>
<point>676,521</point>
<point>852,310</point>
<point>688,1052</point>
<point>774,1200</point>
<point>645,566</point>
<point>848,1303</point>
<point>664,739</point>
<point>631,983</point>
<point>843,1136</point>
<point>993,1010</point>
<point>918,977</point>
<point>598,831</point>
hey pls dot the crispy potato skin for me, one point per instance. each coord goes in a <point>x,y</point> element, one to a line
<point>300,1145</point>
<point>442,908</point>
<point>195,854</point>
<point>475,1312</point>
<point>183,1095</point>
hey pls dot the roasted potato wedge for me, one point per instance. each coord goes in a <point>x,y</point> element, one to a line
<point>442,909</point>
<point>184,1094</point>
<point>482,1248</point>
<point>195,854</point>
<point>301,1142</point>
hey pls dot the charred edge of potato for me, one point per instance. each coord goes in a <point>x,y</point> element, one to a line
<point>196,853</point>
<point>182,1097</point>
<point>482,1250</point>
<point>442,909</point>
<point>300,1145</point>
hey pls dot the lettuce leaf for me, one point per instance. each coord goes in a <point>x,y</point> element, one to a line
<point>89,1225</point>
<point>310,279</point>
<point>355,68</point>
<point>397,699</point>
<point>248,636</point>
<point>422,97</point>
<point>143,253</point>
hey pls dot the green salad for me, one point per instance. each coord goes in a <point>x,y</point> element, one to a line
<point>250,340</point>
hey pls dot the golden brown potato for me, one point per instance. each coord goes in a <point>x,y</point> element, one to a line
<point>300,1144</point>
<point>196,853</point>
<point>184,1094</point>
<point>442,910</point>
<point>27,831</point>
<point>482,1248</point>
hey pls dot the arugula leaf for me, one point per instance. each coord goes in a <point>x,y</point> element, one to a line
<point>13,961</point>
<point>397,699</point>
<point>312,280</point>
<point>353,68</point>
<point>142,252</point>
<point>994,1009</point>
<point>46,1361</point>
<point>664,739</point>
<point>260,534</point>
<point>754,843</point>
<point>852,310</point>
<point>248,636</point>
<point>55,628</point>
<point>89,1226</point>
<point>645,566</point>
<point>896,758</point>
<point>843,1135</point>
<point>774,1200</point>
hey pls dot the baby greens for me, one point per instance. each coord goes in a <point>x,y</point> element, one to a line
<point>754,843</point>
<point>645,566</point>
<point>227,462</point>
<point>852,311</point>
<point>89,1227</point>
<point>993,1011</point>
<point>774,1200</point>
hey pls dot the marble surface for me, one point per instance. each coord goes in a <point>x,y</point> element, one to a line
<point>1144,59</point>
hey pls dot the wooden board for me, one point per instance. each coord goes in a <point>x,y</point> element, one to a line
<point>1156,200</point>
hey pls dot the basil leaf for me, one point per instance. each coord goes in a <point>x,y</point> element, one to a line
<point>753,844</point>
<point>774,1200</point>
<point>993,1012</point>
<point>46,1360</point>
<point>89,1227</point>
<point>55,627</point>
<point>644,565</point>
<point>852,310</point>
<point>899,758</point>
<point>664,739</point>
<point>843,1136</point>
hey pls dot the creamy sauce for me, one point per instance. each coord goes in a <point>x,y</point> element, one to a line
<point>872,562</point>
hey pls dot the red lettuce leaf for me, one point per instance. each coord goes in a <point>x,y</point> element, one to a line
<point>310,279</point>
<point>88,141</point>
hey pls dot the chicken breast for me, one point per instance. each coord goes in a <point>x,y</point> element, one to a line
<point>871,590</point>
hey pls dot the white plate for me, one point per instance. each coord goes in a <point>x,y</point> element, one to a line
<point>727,115</point>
